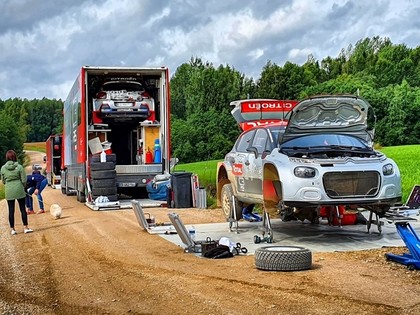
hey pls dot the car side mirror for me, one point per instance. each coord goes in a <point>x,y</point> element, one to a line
<point>265,153</point>
<point>253,150</point>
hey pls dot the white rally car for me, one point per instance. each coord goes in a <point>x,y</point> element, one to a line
<point>123,99</point>
<point>323,157</point>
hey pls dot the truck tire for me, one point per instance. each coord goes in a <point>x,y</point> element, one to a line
<point>283,258</point>
<point>80,196</point>
<point>103,183</point>
<point>104,191</point>
<point>103,174</point>
<point>98,166</point>
<point>109,158</point>
<point>110,197</point>
<point>227,203</point>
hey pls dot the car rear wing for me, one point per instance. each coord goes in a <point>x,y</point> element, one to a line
<point>249,113</point>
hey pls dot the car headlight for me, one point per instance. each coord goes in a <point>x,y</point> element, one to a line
<point>388,169</point>
<point>304,172</point>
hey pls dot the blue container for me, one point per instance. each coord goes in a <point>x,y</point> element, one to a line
<point>158,153</point>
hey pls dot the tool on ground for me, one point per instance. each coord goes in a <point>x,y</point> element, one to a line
<point>238,249</point>
<point>266,239</point>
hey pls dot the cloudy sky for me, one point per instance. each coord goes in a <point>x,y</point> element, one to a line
<point>43,43</point>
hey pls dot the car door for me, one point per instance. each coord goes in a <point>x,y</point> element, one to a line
<point>239,158</point>
<point>253,163</point>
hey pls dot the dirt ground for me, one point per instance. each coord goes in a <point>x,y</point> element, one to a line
<point>101,262</point>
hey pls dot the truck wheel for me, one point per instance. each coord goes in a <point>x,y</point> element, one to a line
<point>283,258</point>
<point>109,158</point>
<point>103,183</point>
<point>227,203</point>
<point>103,174</point>
<point>80,196</point>
<point>98,166</point>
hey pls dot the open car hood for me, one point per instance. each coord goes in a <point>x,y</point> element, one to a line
<point>342,114</point>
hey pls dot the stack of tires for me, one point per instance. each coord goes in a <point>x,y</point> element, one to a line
<point>103,177</point>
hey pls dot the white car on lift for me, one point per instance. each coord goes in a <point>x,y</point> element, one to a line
<point>324,156</point>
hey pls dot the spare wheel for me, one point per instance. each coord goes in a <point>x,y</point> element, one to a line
<point>283,258</point>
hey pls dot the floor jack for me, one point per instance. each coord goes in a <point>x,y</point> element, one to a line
<point>411,240</point>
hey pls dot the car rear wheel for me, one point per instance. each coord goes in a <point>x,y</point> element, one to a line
<point>230,203</point>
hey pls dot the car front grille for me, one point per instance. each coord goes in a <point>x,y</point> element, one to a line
<point>351,184</point>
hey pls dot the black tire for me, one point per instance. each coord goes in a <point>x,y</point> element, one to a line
<point>80,197</point>
<point>109,158</point>
<point>110,197</point>
<point>104,183</point>
<point>104,191</point>
<point>103,174</point>
<point>227,203</point>
<point>98,166</point>
<point>70,192</point>
<point>283,258</point>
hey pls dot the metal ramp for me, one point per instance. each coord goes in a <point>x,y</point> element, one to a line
<point>191,245</point>
<point>412,241</point>
<point>151,228</point>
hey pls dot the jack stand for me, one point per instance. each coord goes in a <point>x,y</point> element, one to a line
<point>376,222</point>
<point>412,242</point>
<point>233,219</point>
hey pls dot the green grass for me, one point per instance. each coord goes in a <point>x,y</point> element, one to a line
<point>206,171</point>
<point>406,157</point>
<point>35,146</point>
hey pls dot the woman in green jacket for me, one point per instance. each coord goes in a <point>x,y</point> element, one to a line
<point>14,178</point>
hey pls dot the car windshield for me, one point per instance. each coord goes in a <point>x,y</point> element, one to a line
<point>276,131</point>
<point>118,86</point>
<point>325,140</point>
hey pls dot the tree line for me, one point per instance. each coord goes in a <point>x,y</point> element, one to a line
<point>202,127</point>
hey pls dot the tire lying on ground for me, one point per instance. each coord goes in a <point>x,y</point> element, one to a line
<point>283,258</point>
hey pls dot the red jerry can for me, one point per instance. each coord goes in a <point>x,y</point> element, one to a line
<point>149,157</point>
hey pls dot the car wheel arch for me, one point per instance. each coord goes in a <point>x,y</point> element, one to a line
<point>222,179</point>
<point>272,192</point>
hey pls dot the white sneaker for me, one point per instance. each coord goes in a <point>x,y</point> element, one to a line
<point>13,232</point>
<point>27,231</point>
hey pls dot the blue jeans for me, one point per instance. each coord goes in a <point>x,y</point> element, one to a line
<point>29,201</point>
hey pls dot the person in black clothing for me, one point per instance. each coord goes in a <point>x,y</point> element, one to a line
<point>35,184</point>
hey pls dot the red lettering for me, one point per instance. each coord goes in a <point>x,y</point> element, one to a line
<point>267,106</point>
